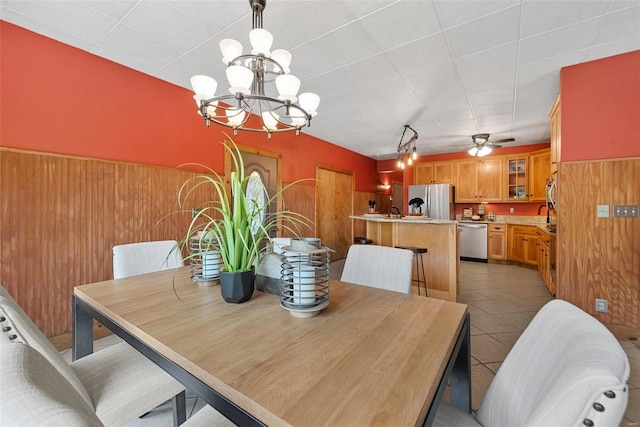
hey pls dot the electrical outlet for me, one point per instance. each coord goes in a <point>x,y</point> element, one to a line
<point>625,211</point>
<point>602,305</point>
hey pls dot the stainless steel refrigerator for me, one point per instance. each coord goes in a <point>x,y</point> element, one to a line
<point>433,201</point>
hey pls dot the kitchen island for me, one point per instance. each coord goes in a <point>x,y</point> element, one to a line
<point>439,236</point>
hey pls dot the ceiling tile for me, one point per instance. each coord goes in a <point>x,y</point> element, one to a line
<point>139,48</point>
<point>544,16</point>
<point>116,9</point>
<point>488,61</point>
<point>345,45</point>
<point>394,25</point>
<point>420,54</point>
<point>484,33</point>
<point>618,26</point>
<point>558,42</point>
<point>164,24</point>
<point>71,17</point>
<point>453,13</point>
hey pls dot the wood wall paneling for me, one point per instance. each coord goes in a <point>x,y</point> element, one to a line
<point>300,198</point>
<point>62,215</point>
<point>600,257</point>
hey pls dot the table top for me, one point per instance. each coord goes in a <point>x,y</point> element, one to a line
<point>372,357</point>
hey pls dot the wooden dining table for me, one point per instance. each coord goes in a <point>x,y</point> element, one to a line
<point>371,357</point>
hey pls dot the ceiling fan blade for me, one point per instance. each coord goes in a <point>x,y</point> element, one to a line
<point>503,140</point>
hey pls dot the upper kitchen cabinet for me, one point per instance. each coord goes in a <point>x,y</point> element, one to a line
<point>525,176</point>
<point>555,117</point>
<point>433,173</point>
<point>539,167</point>
<point>479,180</point>
<point>516,177</point>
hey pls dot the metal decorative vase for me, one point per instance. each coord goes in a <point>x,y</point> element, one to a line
<point>237,287</point>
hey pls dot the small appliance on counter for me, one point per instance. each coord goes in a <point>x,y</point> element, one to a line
<point>372,206</point>
<point>467,214</point>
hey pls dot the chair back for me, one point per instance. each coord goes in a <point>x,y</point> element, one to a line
<point>379,267</point>
<point>35,393</point>
<point>18,327</point>
<point>565,368</point>
<point>145,257</point>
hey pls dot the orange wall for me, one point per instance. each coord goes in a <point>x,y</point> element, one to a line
<point>601,108</point>
<point>59,99</point>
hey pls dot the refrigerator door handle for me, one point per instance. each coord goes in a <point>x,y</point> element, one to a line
<point>428,212</point>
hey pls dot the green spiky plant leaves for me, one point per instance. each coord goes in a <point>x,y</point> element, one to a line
<point>232,223</point>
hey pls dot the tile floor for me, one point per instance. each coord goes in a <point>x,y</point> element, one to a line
<point>502,300</point>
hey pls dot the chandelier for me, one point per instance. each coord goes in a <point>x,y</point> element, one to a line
<point>407,151</point>
<point>247,75</point>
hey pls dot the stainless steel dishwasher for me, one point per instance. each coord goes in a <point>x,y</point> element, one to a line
<point>473,241</point>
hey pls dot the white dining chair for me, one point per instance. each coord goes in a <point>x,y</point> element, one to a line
<point>118,382</point>
<point>566,369</point>
<point>379,267</point>
<point>145,257</point>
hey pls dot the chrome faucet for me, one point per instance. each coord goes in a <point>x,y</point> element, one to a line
<point>392,208</point>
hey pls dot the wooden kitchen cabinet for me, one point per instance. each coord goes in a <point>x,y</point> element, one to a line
<point>433,173</point>
<point>556,135</point>
<point>497,243</point>
<point>522,244</point>
<point>479,180</point>
<point>525,176</point>
<point>544,260</point>
<point>539,171</point>
<point>516,173</point>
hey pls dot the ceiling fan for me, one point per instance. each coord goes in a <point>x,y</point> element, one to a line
<point>480,145</point>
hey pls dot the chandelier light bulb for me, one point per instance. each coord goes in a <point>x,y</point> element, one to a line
<point>235,116</point>
<point>240,79</point>
<point>402,165</point>
<point>270,120</point>
<point>409,161</point>
<point>230,49</point>
<point>282,57</point>
<point>261,41</point>
<point>414,155</point>
<point>399,163</point>
<point>288,86</point>
<point>204,86</point>
<point>309,102</point>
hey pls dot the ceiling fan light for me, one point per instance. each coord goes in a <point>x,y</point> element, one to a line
<point>283,58</point>
<point>270,120</point>
<point>230,49</point>
<point>261,41</point>
<point>484,151</point>
<point>204,86</point>
<point>473,151</point>
<point>309,102</point>
<point>240,79</point>
<point>288,86</point>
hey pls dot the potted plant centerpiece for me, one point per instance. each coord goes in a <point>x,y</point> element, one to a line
<point>235,224</point>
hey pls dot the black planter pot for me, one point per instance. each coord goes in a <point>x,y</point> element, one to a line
<point>237,287</point>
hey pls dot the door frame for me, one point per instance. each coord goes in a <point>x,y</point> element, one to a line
<point>260,152</point>
<point>353,192</point>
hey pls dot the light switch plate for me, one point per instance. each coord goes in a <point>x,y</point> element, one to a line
<point>602,211</point>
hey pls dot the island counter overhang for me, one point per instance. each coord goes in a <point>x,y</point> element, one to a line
<point>439,236</point>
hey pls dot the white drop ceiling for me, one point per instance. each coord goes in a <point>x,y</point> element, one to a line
<point>448,68</point>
